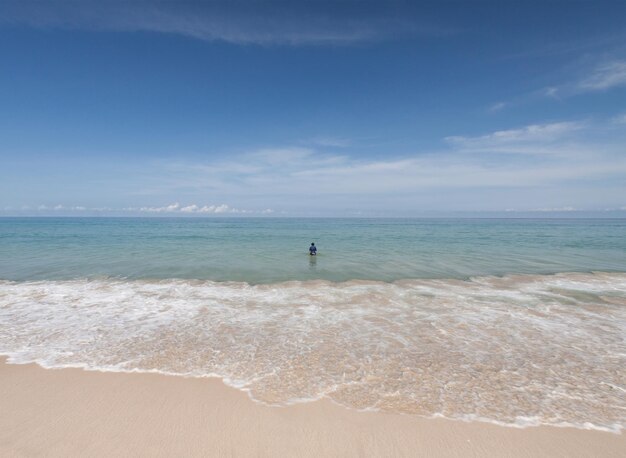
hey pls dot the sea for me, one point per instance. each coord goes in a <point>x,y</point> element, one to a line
<point>518,322</point>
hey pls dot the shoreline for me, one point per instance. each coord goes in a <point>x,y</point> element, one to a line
<point>617,429</point>
<point>72,412</point>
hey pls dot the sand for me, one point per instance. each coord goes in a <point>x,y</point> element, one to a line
<point>71,412</point>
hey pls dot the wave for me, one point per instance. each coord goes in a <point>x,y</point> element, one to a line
<point>516,350</point>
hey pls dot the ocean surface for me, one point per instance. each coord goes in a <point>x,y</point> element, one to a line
<point>517,322</point>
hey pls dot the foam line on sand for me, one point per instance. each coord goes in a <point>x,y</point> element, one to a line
<point>71,412</point>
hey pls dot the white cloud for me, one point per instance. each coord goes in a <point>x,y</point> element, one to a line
<point>195,209</point>
<point>557,209</point>
<point>499,106</point>
<point>280,156</point>
<point>619,119</point>
<point>605,76</point>
<point>552,92</point>
<point>58,208</point>
<point>265,23</point>
<point>190,209</point>
<point>435,172</point>
<point>329,141</point>
<point>519,140</point>
<point>171,209</point>
<point>225,209</point>
<point>549,155</point>
<point>558,165</point>
<point>166,209</point>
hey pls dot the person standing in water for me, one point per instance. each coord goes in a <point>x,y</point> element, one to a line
<point>312,249</point>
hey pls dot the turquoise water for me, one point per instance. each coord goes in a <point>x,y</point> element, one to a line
<point>265,250</point>
<point>517,322</point>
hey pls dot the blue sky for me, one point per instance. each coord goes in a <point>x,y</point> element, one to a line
<point>312,108</point>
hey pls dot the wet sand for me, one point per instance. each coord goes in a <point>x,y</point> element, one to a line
<point>70,412</point>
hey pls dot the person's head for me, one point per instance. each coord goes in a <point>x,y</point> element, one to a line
<point>312,244</point>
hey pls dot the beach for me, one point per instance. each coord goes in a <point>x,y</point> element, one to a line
<point>312,229</point>
<point>163,348</point>
<point>71,412</point>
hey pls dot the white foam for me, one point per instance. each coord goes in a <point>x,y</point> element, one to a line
<point>517,350</point>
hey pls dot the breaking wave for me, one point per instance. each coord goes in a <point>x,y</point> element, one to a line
<point>515,350</point>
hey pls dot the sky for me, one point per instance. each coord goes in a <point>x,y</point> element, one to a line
<point>312,108</point>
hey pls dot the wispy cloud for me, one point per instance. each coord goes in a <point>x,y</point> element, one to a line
<point>531,139</point>
<point>582,44</point>
<point>279,156</point>
<point>266,23</point>
<point>551,155</point>
<point>597,78</point>
<point>605,76</point>
<point>499,106</point>
<point>551,91</point>
<point>195,209</point>
<point>329,141</point>
<point>554,210</point>
<point>550,166</point>
<point>170,209</point>
<point>59,207</point>
<point>619,119</point>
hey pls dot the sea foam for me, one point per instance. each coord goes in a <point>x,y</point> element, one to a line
<point>514,350</point>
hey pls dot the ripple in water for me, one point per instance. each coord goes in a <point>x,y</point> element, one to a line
<point>517,350</point>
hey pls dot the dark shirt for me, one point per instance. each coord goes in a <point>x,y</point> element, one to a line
<point>312,249</point>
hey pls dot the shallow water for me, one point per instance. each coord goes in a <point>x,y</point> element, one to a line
<point>469,319</point>
<point>518,350</point>
<point>266,250</point>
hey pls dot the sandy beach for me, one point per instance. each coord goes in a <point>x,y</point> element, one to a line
<point>168,166</point>
<point>71,412</point>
